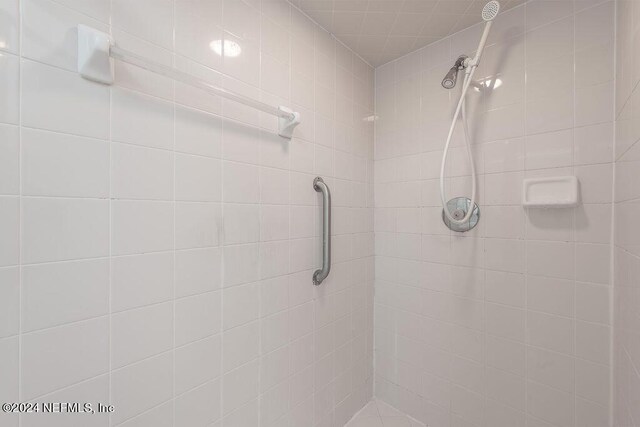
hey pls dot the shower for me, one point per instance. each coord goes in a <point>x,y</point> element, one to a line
<point>462,214</point>
<point>449,81</point>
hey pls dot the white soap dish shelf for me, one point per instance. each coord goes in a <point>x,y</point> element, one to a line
<point>550,192</point>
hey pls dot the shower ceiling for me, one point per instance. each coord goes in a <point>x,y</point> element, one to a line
<point>383,30</point>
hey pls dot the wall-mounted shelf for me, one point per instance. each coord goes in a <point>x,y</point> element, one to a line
<point>96,52</point>
<point>551,192</point>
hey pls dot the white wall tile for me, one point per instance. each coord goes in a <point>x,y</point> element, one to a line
<point>241,305</point>
<point>64,229</point>
<point>198,271</point>
<point>141,280</point>
<point>9,158</point>
<point>249,414</point>
<point>589,414</point>
<point>59,293</point>
<point>592,104</point>
<point>593,144</point>
<point>141,226</point>
<point>198,133</point>
<point>141,120</point>
<point>161,416</point>
<point>197,179</point>
<point>198,363</point>
<point>274,222</point>
<point>589,380</point>
<point>11,32</point>
<point>551,368</point>
<point>274,295</point>
<point>141,333</point>
<point>554,259</point>
<point>241,143</point>
<point>276,402</point>
<point>240,264</point>
<point>141,173</point>
<point>9,349</point>
<point>98,9</point>
<point>241,345</point>
<point>242,223</point>
<point>50,165</point>
<point>551,332</point>
<point>593,302</point>
<point>275,332</point>
<point>197,317</point>
<point>505,322</point>
<point>240,386</point>
<point>591,342</point>
<point>549,404</point>
<point>10,302</point>
<point>593,223</point>
<point>150,20</point>
<point>10,230</point>
<point>85,355</point>
<point>548,150</point>
<point>241,183</point>
<point>554,296</point>
<point>506,388</point>
<point>197,25</point>
<point>141,386</point>
<point>592,263</point>
<point>505,354</point>
<point>48,26</point>
<point>85,111</point>
<point>197,224</point>
<point>200,405</point>
<point>141,80</point>
<point>95,389</point>
<point>9,89</point>
<point>595,183</point>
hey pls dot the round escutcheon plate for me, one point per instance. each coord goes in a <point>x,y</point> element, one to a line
<point>458,208</point>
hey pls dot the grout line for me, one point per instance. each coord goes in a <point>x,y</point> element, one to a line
<point>612,234</point>
<point>573,172</point>
<point>20,208</point>
<point>174,257</point>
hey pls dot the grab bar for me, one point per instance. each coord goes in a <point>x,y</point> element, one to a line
<point>321,274</point>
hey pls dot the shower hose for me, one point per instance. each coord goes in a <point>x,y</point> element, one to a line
<point>461,108</point>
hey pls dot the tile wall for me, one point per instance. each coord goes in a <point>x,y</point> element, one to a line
<point>157,243</point>
<point>627,197</point>
<point>510,324</point>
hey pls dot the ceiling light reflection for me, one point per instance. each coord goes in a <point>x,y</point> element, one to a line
<point>488,83</point>
<point>228,48</point>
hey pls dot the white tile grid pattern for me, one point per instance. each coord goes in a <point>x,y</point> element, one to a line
<point>627,257</point>
<point>157,243</point>
<point>508,325</point>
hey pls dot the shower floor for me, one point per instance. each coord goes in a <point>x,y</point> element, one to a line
<point>379,414</point>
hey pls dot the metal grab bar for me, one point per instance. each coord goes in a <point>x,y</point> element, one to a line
<point>321,274</point>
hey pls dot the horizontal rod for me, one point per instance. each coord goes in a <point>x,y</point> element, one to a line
<point>139,61</point>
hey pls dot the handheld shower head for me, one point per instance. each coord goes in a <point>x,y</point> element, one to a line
<point>490,10</point>
<point>489,13</point>
<point>449,81</point>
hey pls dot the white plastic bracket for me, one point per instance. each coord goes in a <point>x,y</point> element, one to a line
<point>94,62</point>
<point>286,126</point>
